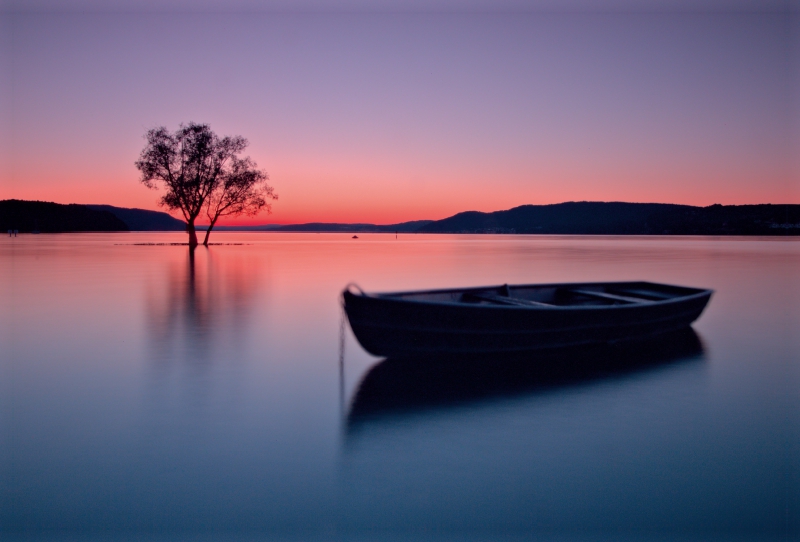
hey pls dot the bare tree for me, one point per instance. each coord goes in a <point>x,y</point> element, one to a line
<point>190,163</point>
<point>243,189</point>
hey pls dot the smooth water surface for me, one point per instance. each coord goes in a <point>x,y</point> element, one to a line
<point>146,391</point>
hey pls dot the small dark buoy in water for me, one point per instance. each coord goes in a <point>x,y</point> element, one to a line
<point>355,237</point>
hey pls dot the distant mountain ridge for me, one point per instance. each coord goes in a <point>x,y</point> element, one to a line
<point>46,217</point>
<point>577,218</point>
<point>403,227</point>
<point>142,219</point>
<point>619,218</point>
<point>330,227</point>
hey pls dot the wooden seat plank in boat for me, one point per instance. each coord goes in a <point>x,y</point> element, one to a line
<point>503,300</point>
<point>610,297</point>
<point>646,294</point>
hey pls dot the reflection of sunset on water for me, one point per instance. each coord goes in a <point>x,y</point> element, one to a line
<point>144,391</point>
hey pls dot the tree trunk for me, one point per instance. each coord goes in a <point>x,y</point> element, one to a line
<point>208,231</point>
<point>192,233</point>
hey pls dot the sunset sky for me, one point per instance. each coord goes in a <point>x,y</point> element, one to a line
<point>391,111</point>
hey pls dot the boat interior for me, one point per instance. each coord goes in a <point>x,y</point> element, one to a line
<point>555,295</point>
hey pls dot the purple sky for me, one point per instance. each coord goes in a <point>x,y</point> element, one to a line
<point>410,110</point>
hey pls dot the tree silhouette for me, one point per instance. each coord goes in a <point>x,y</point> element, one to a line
<point>242,189</point>
<point>191,163</point>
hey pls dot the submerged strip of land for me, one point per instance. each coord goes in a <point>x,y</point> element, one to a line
<point>575,218</point>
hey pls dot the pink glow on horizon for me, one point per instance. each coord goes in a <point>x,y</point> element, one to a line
<point>356,122</point>
<point>350,199</point>
<point>385,190</point>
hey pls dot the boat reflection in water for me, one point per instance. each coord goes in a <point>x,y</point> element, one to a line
<point>411,385</point>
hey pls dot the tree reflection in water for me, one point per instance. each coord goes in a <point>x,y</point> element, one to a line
<point>201,311</point>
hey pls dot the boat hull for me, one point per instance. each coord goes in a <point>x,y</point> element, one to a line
<point>396,327</point>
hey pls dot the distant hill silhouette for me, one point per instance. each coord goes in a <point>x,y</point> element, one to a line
<point>403,227</point>
<point>332,227</point>
<point>581,218</point>
<point>46,217</point>
<point>142,219</point>
<point>587,218</point>
<point>617,218</point>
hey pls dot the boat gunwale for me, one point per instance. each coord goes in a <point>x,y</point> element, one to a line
<point>394,297</point>
<point>502,332</point>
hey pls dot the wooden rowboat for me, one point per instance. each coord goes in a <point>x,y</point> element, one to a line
<point>517,318</point>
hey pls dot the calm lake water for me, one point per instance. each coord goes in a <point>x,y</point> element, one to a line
<point>144,393</point>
